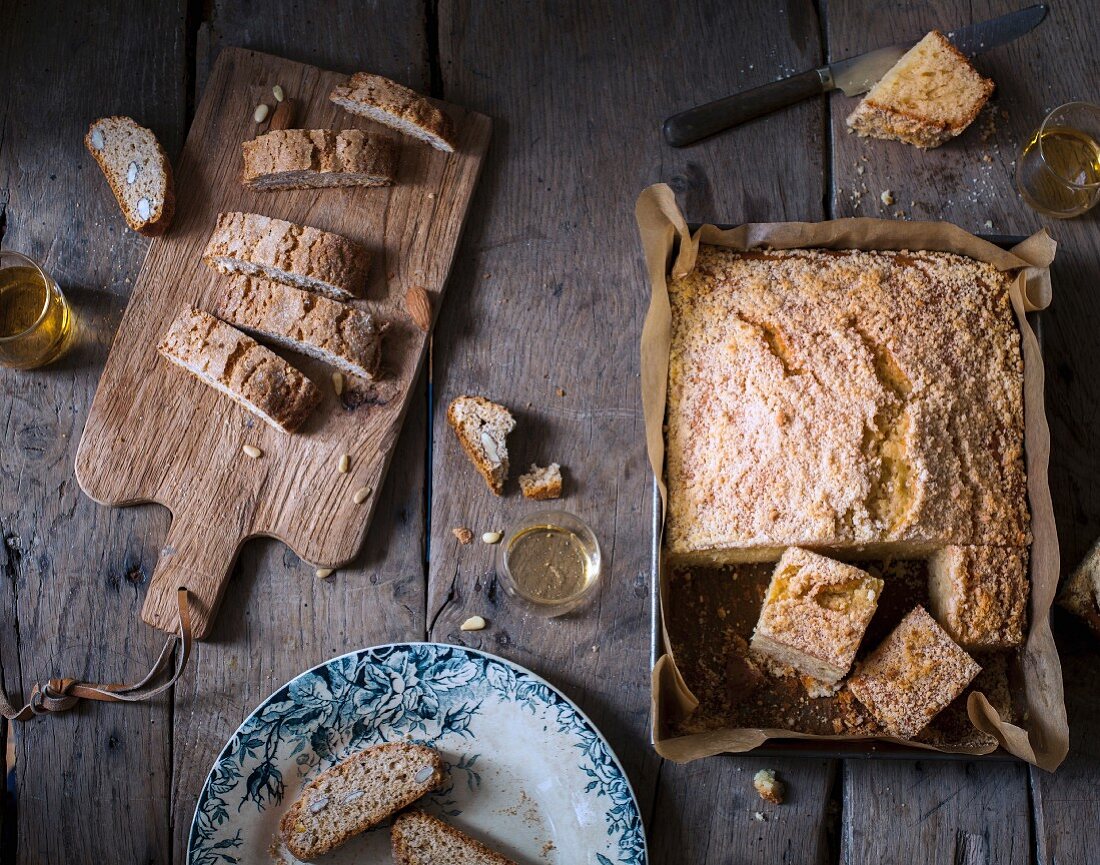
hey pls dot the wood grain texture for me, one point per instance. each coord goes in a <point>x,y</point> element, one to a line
<point>142,442</point>
<point>292,620</point>
<point>970,181</point>
<point>73,572</point>
<point>545,315</point>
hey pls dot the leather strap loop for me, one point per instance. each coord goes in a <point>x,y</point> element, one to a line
<point>60,695</point>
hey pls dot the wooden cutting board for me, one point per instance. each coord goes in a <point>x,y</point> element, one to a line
<point>156,434</point>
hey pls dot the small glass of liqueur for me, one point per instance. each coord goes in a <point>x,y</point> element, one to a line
<point>549,560</point>
<point>36,323</point>
<point>1058,169</point>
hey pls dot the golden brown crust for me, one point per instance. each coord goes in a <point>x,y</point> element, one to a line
<point>481,427</point>
<point>331,331</point>
<point>420,839</point>
<point>310,158</point>
<point>391,103</point>
<point>912,675</point>
<point>236,365</point>
<point>979,595</point>
<point>296,255</point>
<point>864,402</point>
<point>161,217</point>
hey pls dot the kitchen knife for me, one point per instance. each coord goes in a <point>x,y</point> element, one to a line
<point>854,76</point>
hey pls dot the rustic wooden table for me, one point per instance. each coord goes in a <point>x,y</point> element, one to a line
<point>543,312</point>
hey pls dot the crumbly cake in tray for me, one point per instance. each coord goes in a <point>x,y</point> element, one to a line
<point>868,403</point>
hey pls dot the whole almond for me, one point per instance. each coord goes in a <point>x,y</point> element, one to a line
<point>419,306</point>
<point>283,118</point>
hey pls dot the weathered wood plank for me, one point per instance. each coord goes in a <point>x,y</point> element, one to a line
<point>970,181</point>
<point>297,620</point>
<point>74,571</point>
<point>550,294</point>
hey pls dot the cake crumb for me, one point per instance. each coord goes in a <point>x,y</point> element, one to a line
<point>759,816</point>
<point>886,197</point>
<point>769,787</point>
<point>462,534</point>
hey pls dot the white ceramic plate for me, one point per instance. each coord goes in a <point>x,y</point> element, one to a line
<point>528,773</point>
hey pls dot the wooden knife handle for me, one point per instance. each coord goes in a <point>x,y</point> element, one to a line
<point>689,126</point>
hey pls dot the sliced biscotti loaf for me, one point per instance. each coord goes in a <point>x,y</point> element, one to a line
<point>315,158</point>
<point>295,255</point>
<point>248,373</point>
<point>138,171</point>
<point>482,428</point>
<point>388,102</point>
<point>420,839</point>
<point>357,793</point>
<point>328,330</point>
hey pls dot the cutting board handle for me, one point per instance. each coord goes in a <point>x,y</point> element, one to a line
<point>198,555</point>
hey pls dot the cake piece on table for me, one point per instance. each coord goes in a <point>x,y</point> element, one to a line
<point>541,483</point>
<point>928,97</point>
<point>395,105</point>
<point>815,613</point>
<point>138,171</point>
<point>912,675</point>
<point>482,428</point>
<point>1081,593</point>
<point>979,595</point>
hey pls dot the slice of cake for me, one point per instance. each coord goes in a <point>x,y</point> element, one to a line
<point>397,106</point>
<point>420,839</point>
<point>815,613</point>
<point>138,171</point>
<point>1081,594</point>
<point>482,428</point>
<point>541,483</point>
<point>928,97</point>
<point>357,793</point>
<point>979,595</point>
<point>318,158</point>
<point>912,675</point>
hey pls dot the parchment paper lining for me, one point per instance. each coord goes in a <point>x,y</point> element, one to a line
<point>670,247</point>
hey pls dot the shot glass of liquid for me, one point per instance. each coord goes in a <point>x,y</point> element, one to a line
<point>550,562</point>
<point>36,323</point>
<point>1058,169</point>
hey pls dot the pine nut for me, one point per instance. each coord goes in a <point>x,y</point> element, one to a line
<point>361,495</point>
<point>260,114</point>
<point>345,464</point>
<point>252,451</point>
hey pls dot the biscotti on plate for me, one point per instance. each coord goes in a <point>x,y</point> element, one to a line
<point>420,839</point>
<point>482,428</point>
<point>865,403</point>
<point>356,794</point>
<point>928,97</point>
<point>233,363</point>
<point>138,171</point>
<point>328,330</point>
<point>295,255</point>
<point>388,102</point>
<point>815,613</point>
<point>979,595</point>
<point>912,675</point>
<point>316,158</point>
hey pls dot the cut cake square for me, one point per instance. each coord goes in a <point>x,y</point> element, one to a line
<point>979,595</point>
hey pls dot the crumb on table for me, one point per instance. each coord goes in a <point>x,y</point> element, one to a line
<point>770,788</point>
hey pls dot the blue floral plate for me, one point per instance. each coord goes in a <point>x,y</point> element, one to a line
<point>529,774</point>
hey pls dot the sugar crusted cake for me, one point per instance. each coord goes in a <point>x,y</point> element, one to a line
<point>815,613</point>
<point>928,97</point>
<point>979,595</point>
<point>869,403</point>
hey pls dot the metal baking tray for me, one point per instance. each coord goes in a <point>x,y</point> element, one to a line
<point>813,748</point>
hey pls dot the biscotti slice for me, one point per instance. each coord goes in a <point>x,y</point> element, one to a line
<point>295,255</point>
<point>328,330</point>
<point>317,158</point>
<point>815,613</point>
<point>482,428</point>
<point>138,170</point>
<point>928,97</point>
<point>248,373</point>
<point>420,839</point>
<point>388,102</point>
<point>979,595</point>
<point>541,483</point>
<point>912,675</point>
<point>356,794</point>
<point>1081,593</point>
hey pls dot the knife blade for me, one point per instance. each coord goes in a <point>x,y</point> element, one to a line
<point>854,75</point>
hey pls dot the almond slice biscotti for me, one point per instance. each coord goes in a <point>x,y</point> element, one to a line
<point>420,839</point>
<point>482,428</point>
<point>338,334</point>
<point>356,794</point>
<point>295,255</point>
<point>246,372</point>
<point>318,158</point>
<point>388,102</point>
<point>138,171</point>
